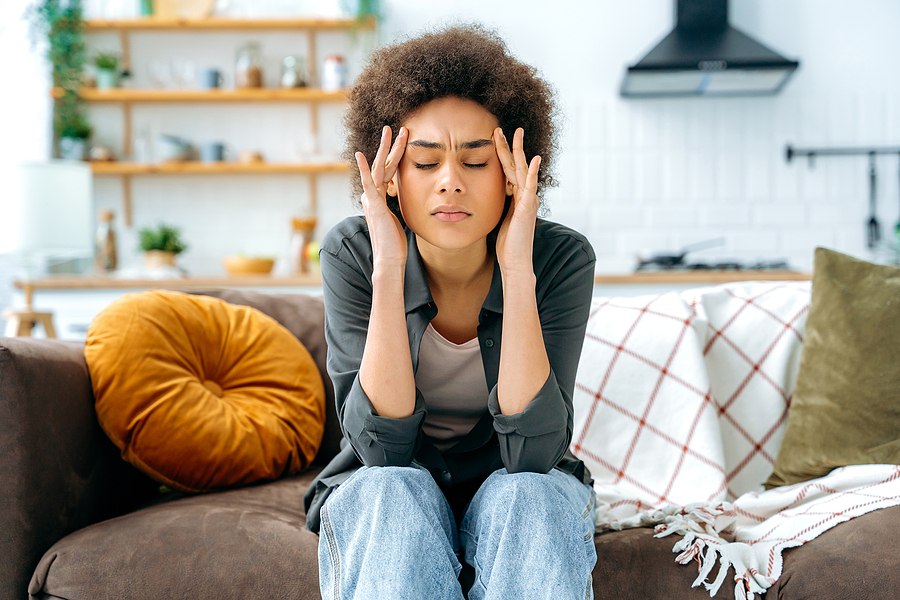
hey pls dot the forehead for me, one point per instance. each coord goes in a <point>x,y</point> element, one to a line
<point>450,117</point>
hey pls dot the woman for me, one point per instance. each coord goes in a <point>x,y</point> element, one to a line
<point>454,320</point>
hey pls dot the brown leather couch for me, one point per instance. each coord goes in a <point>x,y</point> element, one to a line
<point>76,522</point>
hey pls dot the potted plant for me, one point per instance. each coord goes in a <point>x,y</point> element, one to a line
<point>62,23</point>
<point>107,71</point>
<point>160,246</point>
<point>73,130</point>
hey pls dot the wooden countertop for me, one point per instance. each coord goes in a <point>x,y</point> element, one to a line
<point>699,277</point>
<point>99,282</point>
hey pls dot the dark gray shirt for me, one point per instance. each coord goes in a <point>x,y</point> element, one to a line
<point>536,439</point>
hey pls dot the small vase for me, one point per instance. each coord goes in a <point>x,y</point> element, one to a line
<point>107,79</point>
<point>72,148</point>
<point>156,259</point>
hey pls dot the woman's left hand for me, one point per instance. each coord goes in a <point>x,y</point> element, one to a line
<point>516,237</point>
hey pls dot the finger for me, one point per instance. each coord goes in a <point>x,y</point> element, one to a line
<point>519,155</point>
<point>533,168</point>
<point>393,159</point>
<point>378,163</point>
<point>505,156</point>
<point>365,176</point>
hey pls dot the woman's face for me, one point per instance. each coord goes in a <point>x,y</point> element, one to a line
<point>450,184</point>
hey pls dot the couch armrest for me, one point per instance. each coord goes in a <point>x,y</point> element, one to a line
<point>56,464</point>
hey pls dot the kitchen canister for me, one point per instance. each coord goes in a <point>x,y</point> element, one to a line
<point>248,68</point>
<point>334,75</point>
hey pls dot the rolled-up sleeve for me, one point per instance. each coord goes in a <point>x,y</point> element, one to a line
<point>538,437</point>
<point>531,440</point>
<point>347,291</point>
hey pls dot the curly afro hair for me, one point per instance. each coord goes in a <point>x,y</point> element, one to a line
<point>466,61</point>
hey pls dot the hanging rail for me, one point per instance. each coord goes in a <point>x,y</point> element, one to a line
<point>873,227</point>
<point>812,153</point>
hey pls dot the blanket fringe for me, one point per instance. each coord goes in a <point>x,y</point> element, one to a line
<point>701,541</point>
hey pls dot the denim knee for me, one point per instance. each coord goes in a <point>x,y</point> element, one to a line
<point>378,480</point>
<point>381,491</point>
<point>505,493</point>
<point>530,523</point>
<point>387,532</point>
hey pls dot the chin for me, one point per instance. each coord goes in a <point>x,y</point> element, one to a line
<point>450,238</point>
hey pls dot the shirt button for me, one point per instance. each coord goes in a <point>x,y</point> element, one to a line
<point>489,343</point>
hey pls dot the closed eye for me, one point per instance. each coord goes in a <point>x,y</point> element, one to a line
<point>432,165</point>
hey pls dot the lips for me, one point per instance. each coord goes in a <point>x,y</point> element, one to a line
<point>450,213</point>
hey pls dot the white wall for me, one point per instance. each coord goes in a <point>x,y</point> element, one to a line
<point>635,175</point>
<point>661,174</point>
<point>25,106</point>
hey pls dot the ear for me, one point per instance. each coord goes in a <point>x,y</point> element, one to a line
<point>392,185</point>
<point>509,188</point>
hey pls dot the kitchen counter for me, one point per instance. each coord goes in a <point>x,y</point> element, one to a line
<point>99,282</point>
<point>76,300</point>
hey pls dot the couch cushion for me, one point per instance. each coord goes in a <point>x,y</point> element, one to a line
<point>238,544</point>
<point>251,543</point>
<point>855,559</point>
<point>304,316</point>
<point>681,397</point>
<point>201,394</point>
<point>846,405</point>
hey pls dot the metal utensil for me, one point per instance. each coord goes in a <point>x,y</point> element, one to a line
<point>873,231</point>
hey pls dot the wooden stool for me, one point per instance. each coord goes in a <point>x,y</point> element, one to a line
<point>21,322</point>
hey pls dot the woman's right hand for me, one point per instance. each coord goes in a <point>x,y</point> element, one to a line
<point>389,244</point>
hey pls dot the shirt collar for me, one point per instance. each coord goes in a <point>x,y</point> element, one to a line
<point>416,292</point>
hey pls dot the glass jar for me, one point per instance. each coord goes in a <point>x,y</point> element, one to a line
<point>105,257</point>
<point>293,72</point>
<point>248,68</point>
<point>301,238</point>
<point>334,75</point>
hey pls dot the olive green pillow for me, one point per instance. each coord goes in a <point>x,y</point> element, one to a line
<point>846,405</point>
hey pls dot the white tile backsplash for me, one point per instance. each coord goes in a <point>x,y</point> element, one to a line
<point>731,176</point>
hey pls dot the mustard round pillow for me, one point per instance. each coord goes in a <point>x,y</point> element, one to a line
<point>201,394</point>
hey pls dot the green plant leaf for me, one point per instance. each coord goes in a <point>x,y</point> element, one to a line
<point>164,237</point>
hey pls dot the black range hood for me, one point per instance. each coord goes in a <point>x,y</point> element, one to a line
<point>705,56</point>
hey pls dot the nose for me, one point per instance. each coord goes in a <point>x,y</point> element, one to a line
<point>451,179</point>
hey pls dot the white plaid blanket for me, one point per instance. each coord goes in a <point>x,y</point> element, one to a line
<point>680,407</point>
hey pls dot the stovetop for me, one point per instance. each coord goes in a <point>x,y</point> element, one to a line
<point>671,263</point>
<point>676,261</point>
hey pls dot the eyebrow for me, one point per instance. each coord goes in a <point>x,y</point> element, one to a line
<point>474,144</point>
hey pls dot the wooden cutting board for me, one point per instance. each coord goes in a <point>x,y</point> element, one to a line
<point>183,9</point>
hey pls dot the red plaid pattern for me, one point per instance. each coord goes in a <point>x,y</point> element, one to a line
<point>682,398</point>
<point>680,407</point>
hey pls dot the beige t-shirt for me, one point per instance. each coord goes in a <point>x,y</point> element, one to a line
<point>451,379</point>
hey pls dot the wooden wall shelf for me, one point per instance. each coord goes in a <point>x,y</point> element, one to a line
<point>222,24</point>
<point>127,169</point>
<point>127,97</point>
<point>222,95</point>
<point>219,168</point>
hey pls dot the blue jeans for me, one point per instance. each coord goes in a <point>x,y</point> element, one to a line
<point>388,532</point>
